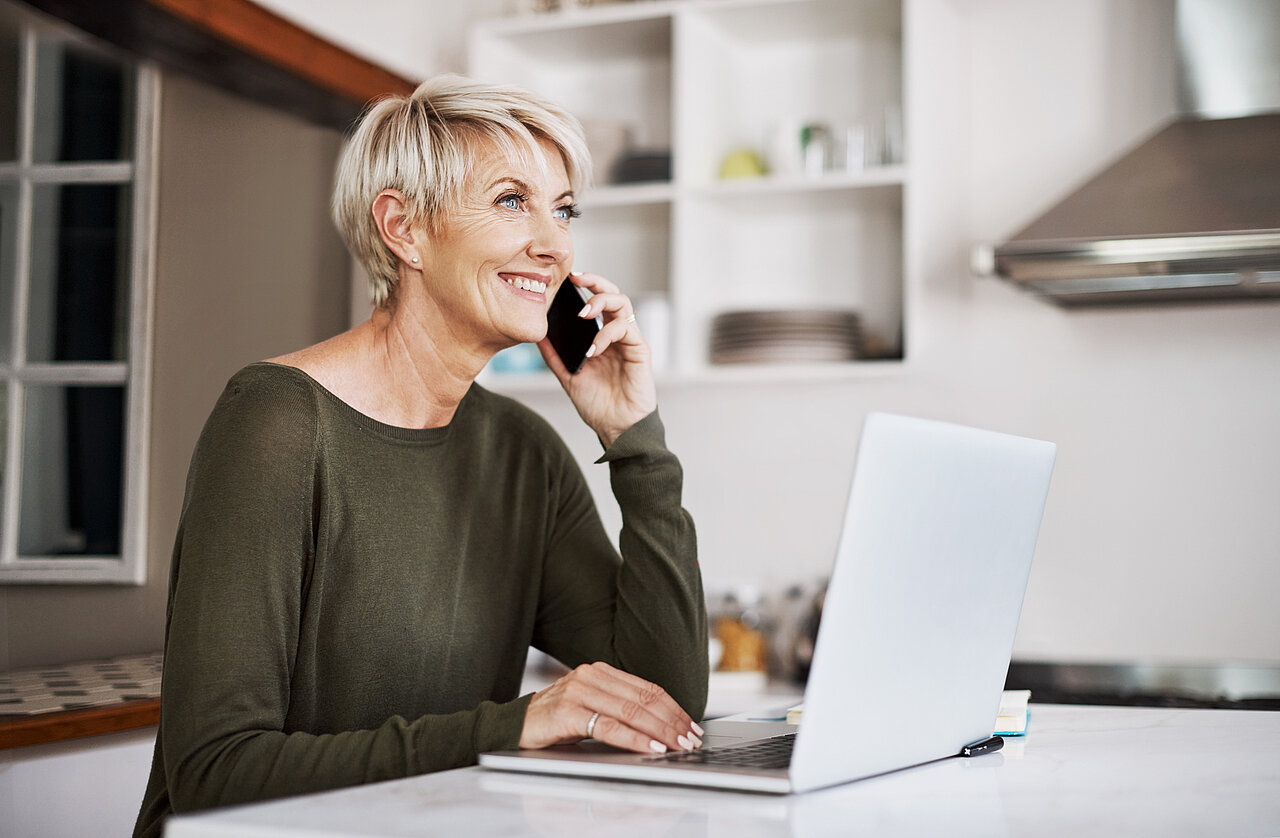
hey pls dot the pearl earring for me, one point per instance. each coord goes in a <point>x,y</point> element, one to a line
<point>415,260</point>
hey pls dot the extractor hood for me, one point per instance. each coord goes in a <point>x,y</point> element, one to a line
<point>1193,213</point>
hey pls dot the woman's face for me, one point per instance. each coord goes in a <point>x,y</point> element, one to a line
<point>495,261</point>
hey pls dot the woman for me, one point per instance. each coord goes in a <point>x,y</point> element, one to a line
<point>370,542</point>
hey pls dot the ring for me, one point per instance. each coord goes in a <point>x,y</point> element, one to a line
<point>632,318</point>
<point>591,725</point>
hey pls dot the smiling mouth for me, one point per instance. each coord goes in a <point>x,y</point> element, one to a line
<point>526,284</point>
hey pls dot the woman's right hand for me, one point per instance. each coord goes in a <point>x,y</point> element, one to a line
<point>633,714</point>
<point>615,387</point>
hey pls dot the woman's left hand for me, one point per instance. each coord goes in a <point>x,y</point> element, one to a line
<point>615,387</point>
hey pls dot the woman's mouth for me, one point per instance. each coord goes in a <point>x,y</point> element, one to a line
<point>524,283</point>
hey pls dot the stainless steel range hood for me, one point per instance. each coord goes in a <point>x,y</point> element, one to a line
<point>1194,212</point>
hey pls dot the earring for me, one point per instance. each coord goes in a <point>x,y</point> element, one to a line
<point>415,260</point>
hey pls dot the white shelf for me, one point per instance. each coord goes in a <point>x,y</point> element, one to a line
<point>701,78</point>
<point>628,195</point>
<point>709,375</point>
<point>639,194</point>
<point>575,18</point>
<point>876,176</point>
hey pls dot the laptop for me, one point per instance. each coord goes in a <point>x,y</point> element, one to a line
<point>917,627</point>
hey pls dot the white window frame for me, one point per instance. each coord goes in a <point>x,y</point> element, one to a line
<point>134,374</point>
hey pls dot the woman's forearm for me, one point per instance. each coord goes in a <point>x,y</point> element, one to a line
<point>249,765</point>
<point>660,622</point>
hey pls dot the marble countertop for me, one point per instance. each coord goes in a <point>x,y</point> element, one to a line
<point>1079,771</point>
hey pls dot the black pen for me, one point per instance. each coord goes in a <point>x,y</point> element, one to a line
<point>986,746</point>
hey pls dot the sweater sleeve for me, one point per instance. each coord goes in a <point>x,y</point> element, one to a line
<point>241,568</point>
<point>645,612</point>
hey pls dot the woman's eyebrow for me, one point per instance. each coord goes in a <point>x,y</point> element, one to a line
<point>514,181</point>
<point>525,187</point>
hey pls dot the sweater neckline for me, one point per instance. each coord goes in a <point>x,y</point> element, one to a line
<point>367,422</point>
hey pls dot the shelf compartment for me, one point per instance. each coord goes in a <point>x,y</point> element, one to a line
<point>767,69</point>
<point>629,244</point>
<point>834,249</point>
<point>602,69</point>
<point>761,22</point>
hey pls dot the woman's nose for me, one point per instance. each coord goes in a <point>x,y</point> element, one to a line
<point>551,243</point>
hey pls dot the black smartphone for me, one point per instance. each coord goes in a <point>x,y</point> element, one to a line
<point>571,335</point>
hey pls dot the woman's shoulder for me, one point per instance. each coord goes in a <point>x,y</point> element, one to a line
<point>267,385</point>
<point>264,422</point>
<point>267,399</point>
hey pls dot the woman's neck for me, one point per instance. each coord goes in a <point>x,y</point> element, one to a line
<point>422,369</point>
<point>395,367</point>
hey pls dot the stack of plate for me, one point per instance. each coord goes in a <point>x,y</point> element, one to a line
<point>772,337</point>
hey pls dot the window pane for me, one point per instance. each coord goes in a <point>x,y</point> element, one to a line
<point>78,308</point>
<point>9,43</point>
<point>8,263</point>
<point>72,471</point>
<point>86,105</point>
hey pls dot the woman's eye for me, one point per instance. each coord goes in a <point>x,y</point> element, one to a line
<point>568,212</point>
<point>510,201</point>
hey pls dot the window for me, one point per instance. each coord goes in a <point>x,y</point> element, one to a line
<point>76,122</point>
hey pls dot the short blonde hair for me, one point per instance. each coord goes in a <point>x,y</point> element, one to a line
<point>423,145</point>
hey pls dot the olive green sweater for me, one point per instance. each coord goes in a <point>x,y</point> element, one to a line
<point>351,601</point>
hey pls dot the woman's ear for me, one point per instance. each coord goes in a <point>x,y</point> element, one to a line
<point>391,215</point>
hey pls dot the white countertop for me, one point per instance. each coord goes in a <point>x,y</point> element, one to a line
<point>1079,771</point>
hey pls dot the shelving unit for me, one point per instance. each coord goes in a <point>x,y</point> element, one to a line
<point>700,79</point>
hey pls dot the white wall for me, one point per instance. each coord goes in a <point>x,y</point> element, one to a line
<point>1161,540</point>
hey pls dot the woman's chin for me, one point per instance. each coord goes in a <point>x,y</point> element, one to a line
<point>528,332</point>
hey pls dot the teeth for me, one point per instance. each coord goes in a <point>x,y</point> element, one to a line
<point>526,284</point>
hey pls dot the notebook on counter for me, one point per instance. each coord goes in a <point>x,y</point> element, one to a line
<point>918,623</point>
<point>1011,720</point>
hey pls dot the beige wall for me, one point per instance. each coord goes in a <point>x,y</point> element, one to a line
<point>247,266</point>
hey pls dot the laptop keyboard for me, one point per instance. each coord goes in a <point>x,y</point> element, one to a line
<point>767,753</point>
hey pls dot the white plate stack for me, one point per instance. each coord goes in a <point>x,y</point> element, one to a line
<point>790,336</point>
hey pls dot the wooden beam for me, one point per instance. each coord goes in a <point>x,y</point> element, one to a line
<point>240,47</point>
<point>263,33</point>
<point>21,731</point>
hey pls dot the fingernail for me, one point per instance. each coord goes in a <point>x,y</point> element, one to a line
<point>657,747</point>
<point>684,743</point>
<point>585,309</point>
<point>697,729</point>
<point>591,350</point>
<point>575,273</point>
<point>697,743</point>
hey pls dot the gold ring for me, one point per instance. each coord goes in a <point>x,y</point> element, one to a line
<point>591,725</point>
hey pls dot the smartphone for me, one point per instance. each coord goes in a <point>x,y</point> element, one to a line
<point>571,335</point>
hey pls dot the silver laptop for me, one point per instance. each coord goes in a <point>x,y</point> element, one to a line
<point>917,628</point>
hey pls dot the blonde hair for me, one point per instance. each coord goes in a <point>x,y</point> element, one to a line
<point>423,146</point>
